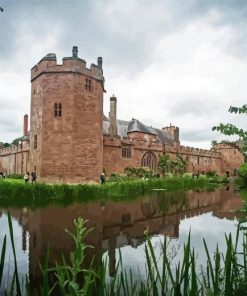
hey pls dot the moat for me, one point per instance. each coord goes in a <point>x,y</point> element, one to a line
<point>121,225</point>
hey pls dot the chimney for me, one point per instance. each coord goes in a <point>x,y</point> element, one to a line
<point>25,125</point>
<point>75,52</point>
<point>100,62</point>
<point>113,116</point>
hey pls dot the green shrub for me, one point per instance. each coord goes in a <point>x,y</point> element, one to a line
<point>15,176</point>
<point>187,175</point>
<point>139,172</point>
<point>116,177</point>
<point>211,173</point>
<point>168,175</point>
<point>243,170</point>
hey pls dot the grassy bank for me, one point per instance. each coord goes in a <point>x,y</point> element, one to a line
<point>223,274</point>
<point>18,194</point>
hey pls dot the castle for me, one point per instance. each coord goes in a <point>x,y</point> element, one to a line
<point>70,139</point>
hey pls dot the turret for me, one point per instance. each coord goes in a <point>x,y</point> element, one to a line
<point>173,131</point>
<point>67,119</point>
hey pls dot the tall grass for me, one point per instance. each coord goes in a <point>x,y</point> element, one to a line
<point>223,274</point>
<point>20,194</point>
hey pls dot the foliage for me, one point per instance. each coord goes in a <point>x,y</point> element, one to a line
<point>187,175</point>
<point>67,273</point>
<point>116,177</point>
<point>230,129</point>
<point>163,165</point>
<point>16,141</point>
<point>211,173</point>
<point>15,176</point>
<point>219,179</point>
<point>139,172</point>
<point>213,143</point>
<point>178,166</point>
<point>243,170</point>
<point>5,145</point>
<point>18,194</point>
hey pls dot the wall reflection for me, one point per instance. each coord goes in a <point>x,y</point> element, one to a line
<point>116,224</point>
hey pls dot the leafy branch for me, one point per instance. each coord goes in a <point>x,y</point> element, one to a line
<point>230,129</point>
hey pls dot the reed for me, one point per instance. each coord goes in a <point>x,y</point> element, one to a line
<point>18,194</point>
<point>223,274</point>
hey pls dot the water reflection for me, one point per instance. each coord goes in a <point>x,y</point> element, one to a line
<point>116,224</point>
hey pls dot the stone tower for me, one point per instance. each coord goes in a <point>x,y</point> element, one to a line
<point>66,136</point>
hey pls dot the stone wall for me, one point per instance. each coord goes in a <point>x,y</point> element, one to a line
<point>15,159</point>
<point>232,157</point>
<point>198,159</point>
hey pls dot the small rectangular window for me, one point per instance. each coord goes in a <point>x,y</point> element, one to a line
<point>126,152</point>
<point>58,109</point>
<point>35,142</point>
<point>88,84</point>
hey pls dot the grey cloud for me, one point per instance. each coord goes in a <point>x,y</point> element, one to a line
<point>84,23</point>
<point>190,106</point>
<point>196,135</point>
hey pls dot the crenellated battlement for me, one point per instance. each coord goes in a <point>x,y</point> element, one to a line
<point>23,146</point>
<point>198,152</point>
<point>74,64</point>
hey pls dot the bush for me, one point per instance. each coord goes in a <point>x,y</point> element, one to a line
<point>139,172</point>
<point>211,173</point>
<point>187,175</point>
<point>243,170</point>
<point>116,177</point>
<point>15,176</point>
<point>168,175</point>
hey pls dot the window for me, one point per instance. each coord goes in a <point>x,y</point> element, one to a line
<point>126,152</point>
<point>35,142</point>
<point>149,160</point>
<point>58,109</point>
<point>88,84</point>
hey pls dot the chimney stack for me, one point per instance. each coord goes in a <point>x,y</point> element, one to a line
<point>25,125</point>
<point>113,116</point>
<point>100,62</point>
<point>75,52</point>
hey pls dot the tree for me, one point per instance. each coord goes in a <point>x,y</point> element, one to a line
<point>213,143</point>
<point>178,166</point>
<point>230,129</point>
<point>1,9</point>
<point>163,164</point>
<point>243,170</point>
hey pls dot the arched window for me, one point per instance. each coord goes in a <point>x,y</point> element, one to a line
<point>58,109</point>
<point>149,160</point>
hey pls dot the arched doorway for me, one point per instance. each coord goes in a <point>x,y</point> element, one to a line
<point>149,160</point>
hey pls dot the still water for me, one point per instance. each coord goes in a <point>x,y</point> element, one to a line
<point>121,225</point>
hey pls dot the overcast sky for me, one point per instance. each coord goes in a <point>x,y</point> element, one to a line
<point>167,61</point>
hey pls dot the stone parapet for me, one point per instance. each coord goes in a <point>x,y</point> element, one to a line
<point>23,147</point>
<point>48,64</point>
<point>198,152</point>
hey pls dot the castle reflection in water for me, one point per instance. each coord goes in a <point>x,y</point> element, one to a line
<point>116,224</point>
